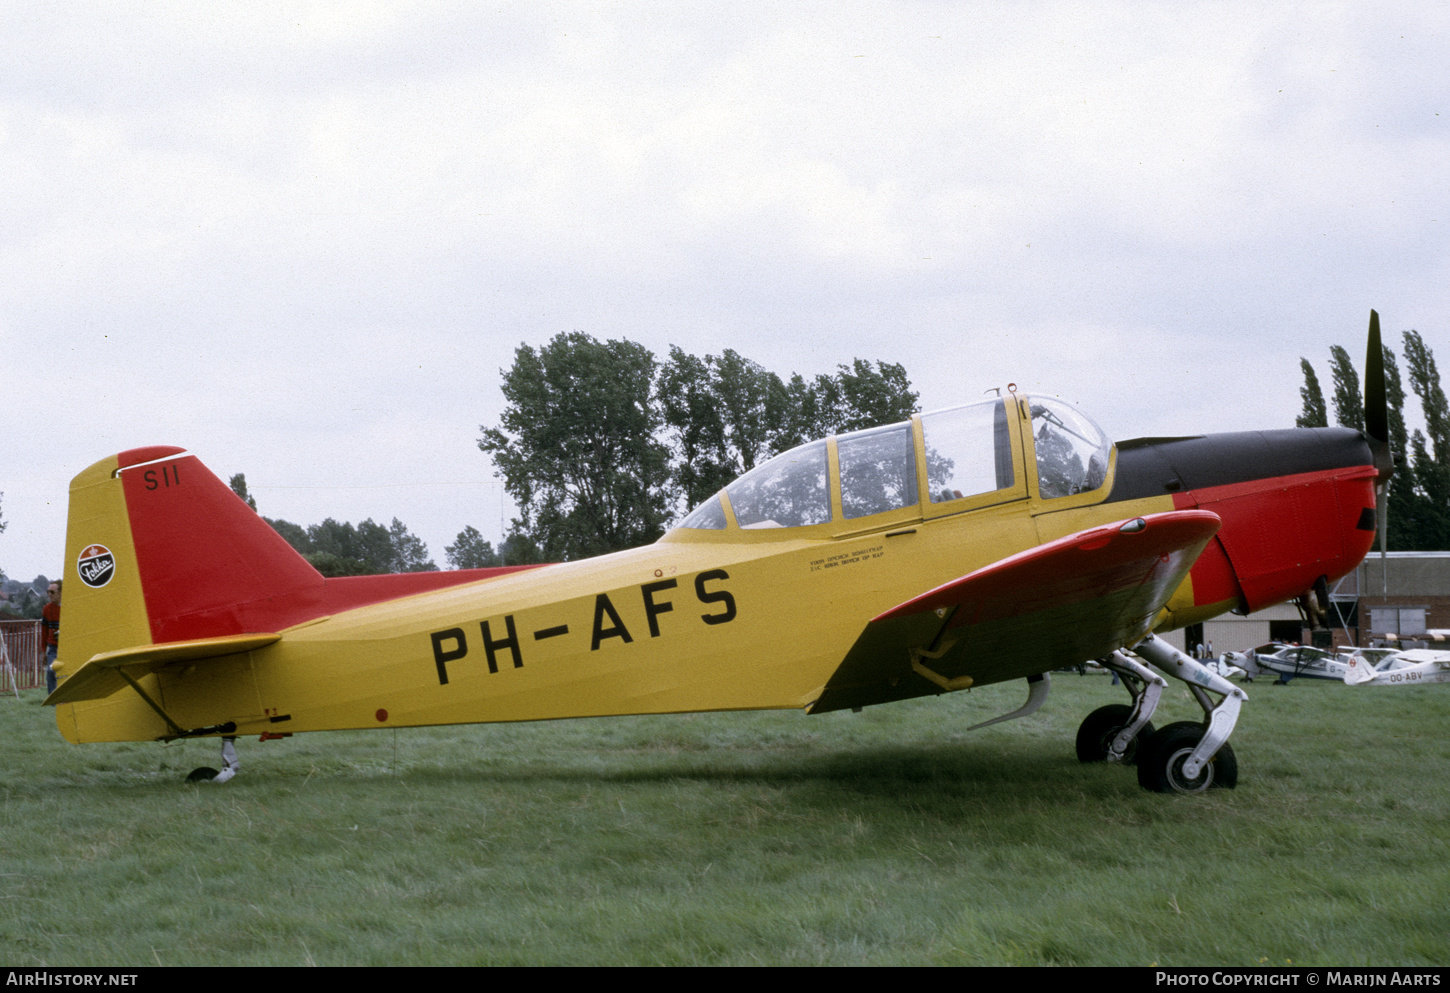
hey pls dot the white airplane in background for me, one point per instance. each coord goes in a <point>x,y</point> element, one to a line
<point>1286,662</point>
<point>1408,668</point>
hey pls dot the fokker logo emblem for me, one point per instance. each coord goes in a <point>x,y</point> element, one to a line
<point>96,566</point>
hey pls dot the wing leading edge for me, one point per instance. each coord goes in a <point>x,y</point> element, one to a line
<point>1068,601</point>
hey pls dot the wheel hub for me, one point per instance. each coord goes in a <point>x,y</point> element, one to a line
<point>1180,782</point>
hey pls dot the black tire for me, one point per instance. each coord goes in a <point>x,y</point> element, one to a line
<point>201,775</point>
<point>1161,758</point>
<point>1225,769</point>
<point>1096,733</point>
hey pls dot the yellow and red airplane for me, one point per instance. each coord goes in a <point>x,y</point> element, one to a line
<point>989,542</point>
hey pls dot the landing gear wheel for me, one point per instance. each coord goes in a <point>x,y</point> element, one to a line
<point>1096,733</point>
<point>1161,758</point>
<point>206,774</point>
<point>1225,768</point>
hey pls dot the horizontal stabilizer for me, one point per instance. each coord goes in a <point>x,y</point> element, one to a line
<point>1068,601</point>
<point>103,674</point>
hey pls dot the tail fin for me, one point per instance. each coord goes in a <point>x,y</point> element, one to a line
<point>160,550</point>
<point>166,566</point>
<point>1359,671</point>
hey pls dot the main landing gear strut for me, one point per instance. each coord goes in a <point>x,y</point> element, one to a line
<point>1183,757</point>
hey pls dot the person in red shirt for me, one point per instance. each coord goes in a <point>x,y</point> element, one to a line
<point>50,634</point>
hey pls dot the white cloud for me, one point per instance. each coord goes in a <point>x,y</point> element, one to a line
<point>302,239</point>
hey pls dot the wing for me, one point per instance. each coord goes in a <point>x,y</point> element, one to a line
<point>1065,602</point>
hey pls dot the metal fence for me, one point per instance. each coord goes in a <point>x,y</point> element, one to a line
<point>20,655</point>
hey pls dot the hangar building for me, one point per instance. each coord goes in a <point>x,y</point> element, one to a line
<point>1406,597</point>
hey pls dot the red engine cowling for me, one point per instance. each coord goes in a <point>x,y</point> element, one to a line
<point>1281,534</point>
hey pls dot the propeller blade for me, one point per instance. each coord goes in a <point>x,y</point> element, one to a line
<point>1376,404</point>
<point>1377,431</point>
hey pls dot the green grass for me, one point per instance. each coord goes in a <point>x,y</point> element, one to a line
<point>885,837</point>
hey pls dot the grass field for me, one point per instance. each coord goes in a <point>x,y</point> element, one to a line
<point>885,837</point>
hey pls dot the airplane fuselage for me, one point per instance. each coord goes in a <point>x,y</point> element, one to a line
<point>726,617</point>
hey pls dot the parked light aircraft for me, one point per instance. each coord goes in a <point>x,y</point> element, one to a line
<point>1408,668</point>
<point>1289,662</point>
<point>985,543</point>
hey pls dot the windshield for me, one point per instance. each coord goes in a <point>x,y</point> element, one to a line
<point>969,452</point>
<point>1072,451</point>
<point>789,491</point>
<point>709,516</point>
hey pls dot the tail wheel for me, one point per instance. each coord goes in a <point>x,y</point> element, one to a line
<point>1161,759</point>
<point>1096,733</point>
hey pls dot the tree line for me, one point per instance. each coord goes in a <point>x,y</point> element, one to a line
<point>1419,493</point>
<point>601,446</point>
<point>340,549</point>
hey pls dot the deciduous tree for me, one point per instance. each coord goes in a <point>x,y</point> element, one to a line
<point>338,548</point>
<point>471,551</point>
<point>409,553</point>
<point>702,462</point>
<point>238,483</point>
<point>728,414</point>
<point>577,446</point>
<point>873,395</point>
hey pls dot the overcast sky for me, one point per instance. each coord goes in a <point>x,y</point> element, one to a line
<point>302,240</point>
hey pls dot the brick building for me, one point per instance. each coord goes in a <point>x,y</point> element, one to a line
<point>1407,596</point>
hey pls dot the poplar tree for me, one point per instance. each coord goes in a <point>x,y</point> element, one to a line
<point>1313,415</point>
<point>1425,381</point>
<point>1431,463</point>
<point>1348,403</point>
<point>1403,500</point>
<point>1419,493</point>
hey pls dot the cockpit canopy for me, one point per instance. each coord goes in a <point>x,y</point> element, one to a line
<point>951,455</point>
<point>1072,451</point>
